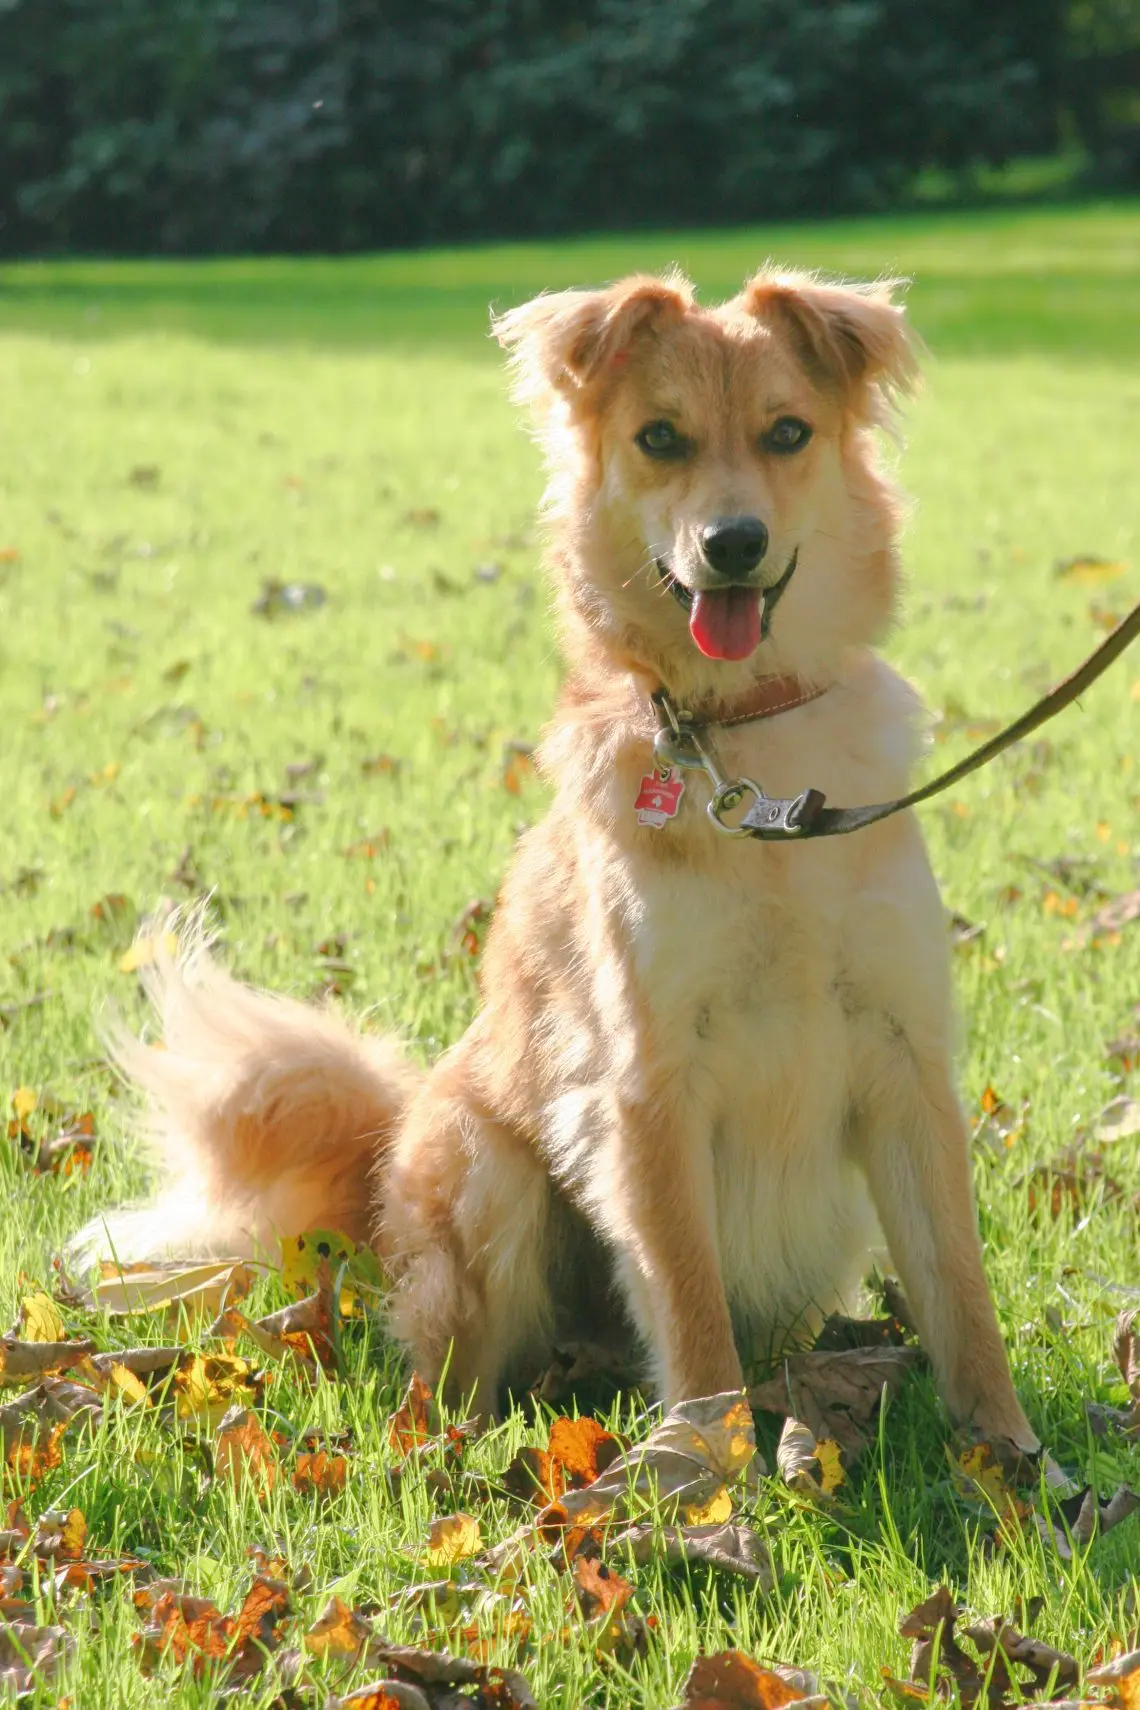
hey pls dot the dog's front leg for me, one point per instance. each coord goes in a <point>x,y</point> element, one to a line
<point>914,1146</point>
<point>656,1200</point>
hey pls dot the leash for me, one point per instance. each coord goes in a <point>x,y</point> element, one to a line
<point>682,742</point>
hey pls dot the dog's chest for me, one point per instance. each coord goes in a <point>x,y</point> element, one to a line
<point>757,1016</point>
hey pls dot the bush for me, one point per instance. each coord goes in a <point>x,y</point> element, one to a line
<point>192,125</point>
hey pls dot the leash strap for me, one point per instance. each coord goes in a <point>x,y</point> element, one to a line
<point>775,820</point>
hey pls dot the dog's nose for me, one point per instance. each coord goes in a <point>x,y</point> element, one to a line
<point>734,545</point>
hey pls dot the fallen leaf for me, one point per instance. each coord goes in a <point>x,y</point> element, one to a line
<point>408,1427</point>
<point>60,1532</point>
<point>147,950</point>
<point>810,1467</point>
<point>730,1547</point>
<point>699,1447</point>
<point>244,1453</point>
<point>380,766</point>
<point>338,1632</point>
<point>427,1671</point>
<point>836,1395</point>
<point>1086,570</point>
<point>30,1655</point>
<point>206,1386</point>
<point>729,1680</point>
<point>28,1362</point>
<point>125,1291</point>
<point>518,764</point>
<point>192,1628</point>
<point>1119,1120</point>
<point>318,1473</point>
<point>278,599</point>
<point>452,1538</point>
<point>577,1452</point>
<point>602,1597</point>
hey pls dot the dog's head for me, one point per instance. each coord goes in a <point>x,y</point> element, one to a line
<point>720,457</point>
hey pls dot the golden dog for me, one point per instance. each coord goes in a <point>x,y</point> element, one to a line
<point>708,1074</point>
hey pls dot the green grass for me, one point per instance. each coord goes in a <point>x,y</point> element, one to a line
<point>174,435</point>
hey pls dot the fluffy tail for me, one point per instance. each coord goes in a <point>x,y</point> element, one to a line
<point>268,1115</point>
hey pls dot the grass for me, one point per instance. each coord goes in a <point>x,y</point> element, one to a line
<point>176,435</point>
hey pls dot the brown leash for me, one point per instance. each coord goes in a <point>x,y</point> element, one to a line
<point>682,742</point>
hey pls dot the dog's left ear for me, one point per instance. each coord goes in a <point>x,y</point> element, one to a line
<point>853,340</point>
<point>569,343</point>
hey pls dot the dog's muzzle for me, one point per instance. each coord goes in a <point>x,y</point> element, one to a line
<point>771,596</point>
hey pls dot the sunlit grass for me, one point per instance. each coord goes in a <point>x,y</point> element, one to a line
<point>177,435</point>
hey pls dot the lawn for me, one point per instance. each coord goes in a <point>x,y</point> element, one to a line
<point>182,439</point>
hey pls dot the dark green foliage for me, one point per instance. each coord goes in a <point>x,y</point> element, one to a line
<point>191,125</point>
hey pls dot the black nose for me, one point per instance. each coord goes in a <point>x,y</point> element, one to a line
<point>734,545</point>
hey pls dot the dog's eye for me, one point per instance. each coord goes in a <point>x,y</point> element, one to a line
<point>661,439</point>
<point>786,435</point>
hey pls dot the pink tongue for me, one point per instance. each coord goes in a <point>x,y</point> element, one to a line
<point>726,624</point>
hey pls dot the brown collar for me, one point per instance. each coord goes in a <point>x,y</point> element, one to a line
<point>766,698</point>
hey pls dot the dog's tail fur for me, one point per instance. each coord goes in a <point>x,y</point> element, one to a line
<point>269,1116</point>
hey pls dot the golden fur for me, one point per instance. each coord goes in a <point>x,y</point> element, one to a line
<point>711,1072</point>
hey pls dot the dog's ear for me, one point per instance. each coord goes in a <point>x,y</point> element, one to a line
<point>853,340</point>
<point>569,343</point>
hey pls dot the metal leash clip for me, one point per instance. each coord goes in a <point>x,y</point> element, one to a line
<point>680,743</point>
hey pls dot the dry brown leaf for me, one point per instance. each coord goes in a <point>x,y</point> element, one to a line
<point>1119,1120</point>
<point>25,1362</point>
<point>729,1680</point>
<point>409,1426</point>
<point>699,1447</point>
<point>577,1452</point>
<point>836,1395</point>
<point>603,1597</point>
<point>30,1654</point>
<point>244,1453</point>
<point>518,764</point>
<point>731,1547</point>
<point>438,1679</point>
<point>317,1473</point>
<point>129,1290</point>
<point>192,1627</point>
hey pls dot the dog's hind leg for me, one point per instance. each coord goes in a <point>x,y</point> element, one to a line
<point>465,1232</point>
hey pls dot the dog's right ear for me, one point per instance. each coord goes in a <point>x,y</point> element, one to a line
<point>571,343</point>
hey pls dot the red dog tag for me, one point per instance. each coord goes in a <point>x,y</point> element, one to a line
<point>659,797</point>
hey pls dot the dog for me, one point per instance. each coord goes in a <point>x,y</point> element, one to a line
<point>709,1074</point>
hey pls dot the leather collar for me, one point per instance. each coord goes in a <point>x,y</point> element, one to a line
<point>767,697</point>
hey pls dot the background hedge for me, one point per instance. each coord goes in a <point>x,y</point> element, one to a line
<point>186,126</point>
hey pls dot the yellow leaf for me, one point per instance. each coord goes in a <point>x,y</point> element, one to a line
<point>1088,571</point>
<point>1135,690</point>
<point>144,951</point>
<point>24,1101</point>
<point>338,1632</point>
<point>208,1384</point>
<point>302,1258</point>
<point>129,1383</point>
<point>41,1320</point>
<point>452,1538</point>
<point>831,1473</point>
<point>714,1512</point>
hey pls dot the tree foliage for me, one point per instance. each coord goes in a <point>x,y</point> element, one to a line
<point>192,125</point>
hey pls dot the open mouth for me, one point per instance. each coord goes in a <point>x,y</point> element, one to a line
<point>728,623</point>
